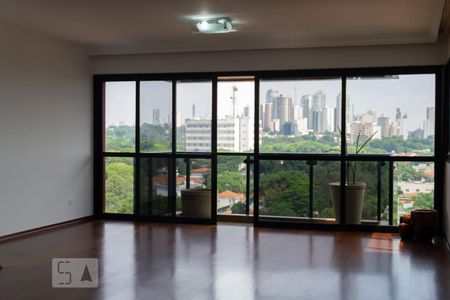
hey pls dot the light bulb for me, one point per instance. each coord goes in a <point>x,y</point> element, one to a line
<point>203,25</point>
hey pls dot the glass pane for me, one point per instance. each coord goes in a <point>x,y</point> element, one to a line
<point>193,190</point>
<point>119,185</point>
<point>235,116</point>
<point>325,172</point>
<point>284,188</point>
<point>154,185</point>
<point>194,116</point>
<point>156,116</point>
<point>413,187</point>
<point>367,192</point>
<point>231,185</point>
<point>300,116</point>
<point>397,111</point>
<point>120,116</point>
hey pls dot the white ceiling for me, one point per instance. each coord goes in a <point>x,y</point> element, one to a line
<point>157,26</point>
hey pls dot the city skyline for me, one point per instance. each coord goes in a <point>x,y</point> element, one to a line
<point>389,94</point>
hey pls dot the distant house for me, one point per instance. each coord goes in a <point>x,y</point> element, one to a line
<point>227,198</point>
<point>200,173</point>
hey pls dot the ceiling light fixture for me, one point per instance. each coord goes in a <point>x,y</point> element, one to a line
<point>216,25</point>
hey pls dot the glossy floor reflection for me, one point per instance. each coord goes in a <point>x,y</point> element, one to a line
<point>167,261</point>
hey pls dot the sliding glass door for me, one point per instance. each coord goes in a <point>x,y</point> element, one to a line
<point>309,148</point>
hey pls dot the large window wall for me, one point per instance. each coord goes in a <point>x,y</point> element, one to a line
<point>273,146</point>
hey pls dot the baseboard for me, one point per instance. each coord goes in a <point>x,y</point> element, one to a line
<point>30,232</point>
<point>235,218</point>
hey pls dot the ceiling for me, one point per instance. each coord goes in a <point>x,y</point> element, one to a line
<point>156,26</point>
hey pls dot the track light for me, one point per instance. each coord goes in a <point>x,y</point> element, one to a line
<point>216,25</point>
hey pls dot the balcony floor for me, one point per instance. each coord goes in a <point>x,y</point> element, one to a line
<point>168,261</point>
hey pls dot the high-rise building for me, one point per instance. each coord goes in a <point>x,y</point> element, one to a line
<point>317,121</point>
<point>271,95</point>
<point>429,122</point>
<point>289,128</point>
<point>193,111</point>
<point>395,130</point>
<point>180,118</point>
<point>349,115</point>
<point>383,122</point>
<point>302,126</point>
<point>156,116</point>
<point>268,108</point>
<point>296,112</point>
<point>275,125</point>
<point>404,125</point>
<point>417,134</point>
<point>246,134</point>
<point>262,117</point>
<point>282,107</point>
<point>306,104</point>
<point>361,130</point>
<point>398,115</point>
<point>327,119</point>
<point>246,111</point>
<point>319,100</point>
<point>400,121</point>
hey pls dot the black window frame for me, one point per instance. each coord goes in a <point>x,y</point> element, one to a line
<point>439,157</point>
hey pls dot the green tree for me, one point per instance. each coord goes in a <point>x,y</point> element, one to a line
<point>155,138</point>
<point>120,138</point>
<point>238,208</point>
<point>285,194</point>
<point>119,187</point>
<point>423,201</point>
<point>231,181</point>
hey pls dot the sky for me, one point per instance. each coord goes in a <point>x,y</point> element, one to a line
<point>411,93</point>
<point>245,96</point>
<point>198,93</point>
<point>155,95</point>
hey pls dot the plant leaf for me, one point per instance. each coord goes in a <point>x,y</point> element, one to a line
<point>365,143</point>
<point>357,142</point>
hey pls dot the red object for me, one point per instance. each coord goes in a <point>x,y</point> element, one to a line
<point>424,223</point>
<point>405,219</point>
<point>406,231</point>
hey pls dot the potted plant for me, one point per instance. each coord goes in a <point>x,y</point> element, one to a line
<point>354,190</point>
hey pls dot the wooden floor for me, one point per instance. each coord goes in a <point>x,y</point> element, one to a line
<point>167,261</point>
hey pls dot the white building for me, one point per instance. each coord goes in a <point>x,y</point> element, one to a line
<point>198,135</point>
<point>327,119</point>
<point>275,125</point>
<point>232,135</point>
<point>418,187</point>
<point>429,123</point>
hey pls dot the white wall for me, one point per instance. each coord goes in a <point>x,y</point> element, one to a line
<point>45,131</point>
<point>308,58</point>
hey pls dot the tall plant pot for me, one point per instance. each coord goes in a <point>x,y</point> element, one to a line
<point>355,200</point>
<point>196,203</point>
